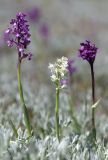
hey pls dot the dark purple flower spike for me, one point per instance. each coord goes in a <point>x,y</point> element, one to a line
<point>88,51</point>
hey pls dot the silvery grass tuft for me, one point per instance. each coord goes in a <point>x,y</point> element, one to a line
<point>18,35</point>
<point>88,52</point>
<point>58,72</point>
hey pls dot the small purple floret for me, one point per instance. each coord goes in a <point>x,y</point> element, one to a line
<point>64,82</point>
<point>18,35</point>
<point>88,51</point>
<point>30,56</point>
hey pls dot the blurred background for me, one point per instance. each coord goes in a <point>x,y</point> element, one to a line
<point>57,28</point>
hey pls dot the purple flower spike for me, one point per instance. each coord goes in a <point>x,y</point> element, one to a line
<point>71,69</point>
<point>88,51</point>
<point>18,35</point>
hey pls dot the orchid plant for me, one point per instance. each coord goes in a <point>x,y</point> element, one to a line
<point>88,52</point>
<point>58,72</point>
<point>18,35</point>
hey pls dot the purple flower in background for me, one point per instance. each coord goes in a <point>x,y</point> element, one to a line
<point>18,35</point>
<point>44,30</point>
<point>71,69</point>
<point>88,51</point>
<point>34,14</point>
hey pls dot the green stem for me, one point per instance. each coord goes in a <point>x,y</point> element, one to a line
<point>57,113</point>
<point>75,121</point>
<point>25,112</point>
<point>93,98</point>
